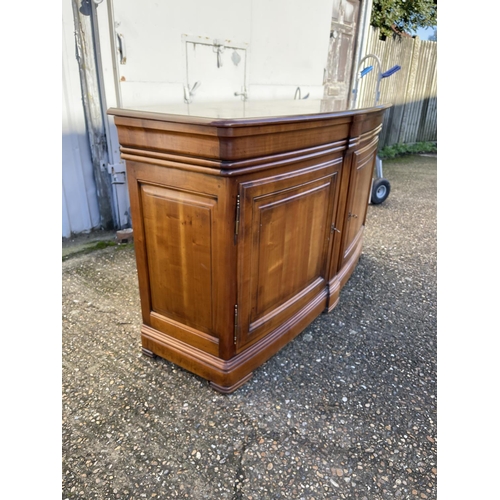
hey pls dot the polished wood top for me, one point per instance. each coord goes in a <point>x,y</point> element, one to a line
<point>238,112</point>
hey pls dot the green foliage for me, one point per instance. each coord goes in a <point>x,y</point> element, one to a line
<point>104,244</point>
<point>405,15</point>
<point>405,149</point>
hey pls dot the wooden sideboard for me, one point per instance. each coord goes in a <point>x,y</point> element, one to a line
<point>248,219</point>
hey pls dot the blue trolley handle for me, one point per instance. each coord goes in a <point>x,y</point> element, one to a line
<point>365,71</point>
<point>390,71</point>
<point>381,76</point>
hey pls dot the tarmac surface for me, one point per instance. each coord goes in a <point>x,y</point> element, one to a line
<point>347,410</point>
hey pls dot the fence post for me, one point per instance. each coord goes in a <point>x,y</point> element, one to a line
<point>412,105</point>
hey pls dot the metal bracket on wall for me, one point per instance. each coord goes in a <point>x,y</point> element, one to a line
<point>117,169</point>
<point>121,48</point>
<point>219,46</point>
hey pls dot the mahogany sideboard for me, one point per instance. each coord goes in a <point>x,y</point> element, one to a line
<point>248,219</point>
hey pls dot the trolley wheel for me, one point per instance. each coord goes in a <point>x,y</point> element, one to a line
<point>380,191</point>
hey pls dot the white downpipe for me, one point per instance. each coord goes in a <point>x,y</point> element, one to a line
<point>363,34</point>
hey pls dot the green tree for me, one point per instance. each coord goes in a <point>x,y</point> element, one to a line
<point>403,15</point>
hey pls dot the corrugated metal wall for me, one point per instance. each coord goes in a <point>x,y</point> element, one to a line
<point>80,211</point>
<point>412,90</point>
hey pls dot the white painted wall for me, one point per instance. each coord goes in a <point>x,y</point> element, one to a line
<point>80,210</point>
<point>283,44</point>
<point>289,47</point>
<point>286,46</point>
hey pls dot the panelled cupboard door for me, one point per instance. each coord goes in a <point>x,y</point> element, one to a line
<point>283,247</point>
<point>363,162</point>
<point>177,235</point>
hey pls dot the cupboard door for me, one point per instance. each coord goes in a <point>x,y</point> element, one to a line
<point>360,182</point>
<point>283,248</point>
<point>181,256</point>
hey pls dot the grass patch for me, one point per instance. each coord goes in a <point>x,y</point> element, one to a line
<point>100,245</point>
<point>104,244</point>
<point>407,149</point>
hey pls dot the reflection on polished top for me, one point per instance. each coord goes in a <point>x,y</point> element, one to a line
<point>236,110</point>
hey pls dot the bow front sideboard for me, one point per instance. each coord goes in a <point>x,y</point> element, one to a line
<point>248,219</point>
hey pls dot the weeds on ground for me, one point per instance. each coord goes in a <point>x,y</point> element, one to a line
<point>404,149</point>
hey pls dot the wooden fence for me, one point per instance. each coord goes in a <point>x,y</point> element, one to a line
<point>412,90</point>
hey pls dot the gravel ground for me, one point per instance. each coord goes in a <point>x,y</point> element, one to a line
<point>345,411</point>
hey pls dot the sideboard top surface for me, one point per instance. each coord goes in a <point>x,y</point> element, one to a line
<point>239,113</point>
